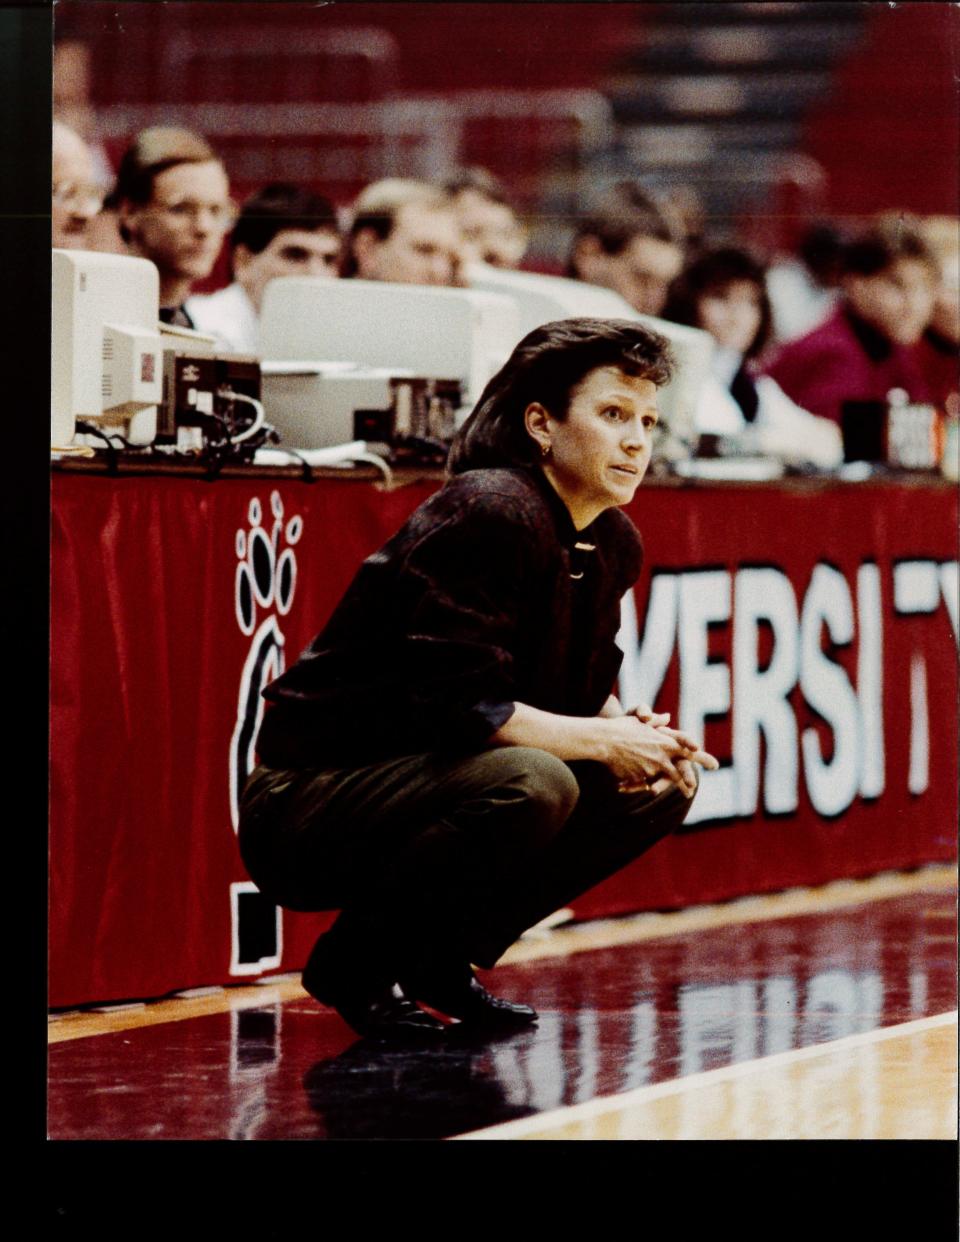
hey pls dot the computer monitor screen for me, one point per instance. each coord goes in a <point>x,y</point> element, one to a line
<point>441,333</point>
<point>106,356</point>
<point>541,299</point>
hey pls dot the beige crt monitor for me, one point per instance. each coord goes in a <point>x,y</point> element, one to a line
<point>541,299</point>
<point>107,363</point>
<point>458,334</point>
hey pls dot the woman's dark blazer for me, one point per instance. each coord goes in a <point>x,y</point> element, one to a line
<point>487,596</point>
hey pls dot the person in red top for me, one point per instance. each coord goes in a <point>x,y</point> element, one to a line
<point>939,349</point>
<point>867,346</point>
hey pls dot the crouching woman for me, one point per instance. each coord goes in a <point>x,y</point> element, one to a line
<point>446,764</point>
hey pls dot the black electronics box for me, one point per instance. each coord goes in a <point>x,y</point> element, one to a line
<point>238,376</point>
<point>419,423</point>
<point>862,427</point>
<point>197,387</point>
<point>189,391</point>
<point>905,436</point>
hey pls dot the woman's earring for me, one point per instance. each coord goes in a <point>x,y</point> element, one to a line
<point>545,449</point>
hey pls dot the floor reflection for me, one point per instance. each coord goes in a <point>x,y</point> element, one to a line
<point>369,1092</point>
<point>643,1014</point>
<point>611,1020</point>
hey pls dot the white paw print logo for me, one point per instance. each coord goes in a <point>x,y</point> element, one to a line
<point>266,578</point>
<point>266,572</point>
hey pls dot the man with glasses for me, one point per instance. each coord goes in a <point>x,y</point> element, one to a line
<point>174,205</point>
<point>76,196</point>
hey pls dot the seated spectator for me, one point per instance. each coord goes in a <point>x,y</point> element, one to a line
<point>867,346</point>
<point>488,224</point>
<point>103,231</point>
<point>76,195</point>
<point>804,289</point>
<point>631,244</point>
<point>282,230</point>
<point>724,292</point>
<point>173,200</point>
<point>72,82</point>
<point>404,231</point>
<point>686,210</point>
<point>939,348</point>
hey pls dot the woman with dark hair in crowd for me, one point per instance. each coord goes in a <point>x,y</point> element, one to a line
<point>724,292</point>
<point>868,346</point>
<point>446,764</point>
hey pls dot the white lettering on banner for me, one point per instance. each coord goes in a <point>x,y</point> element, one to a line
<point>760,697</point>
<point>681,608</point>
<point>831,785</point>
<point>918,587</point>
<point>628,683</point>
<point>949,589</point>
<point>704,599</point>
<point>870,679</point>
<point>918,777</point>
<point>645,663</point>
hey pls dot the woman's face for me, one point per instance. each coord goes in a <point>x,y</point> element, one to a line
<point>732,315</point>
<point>898,300</point>
<point>600,452</point>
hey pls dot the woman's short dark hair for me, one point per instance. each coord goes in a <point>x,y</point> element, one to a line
<point>545,367</point>
<point>888,239</point>
<point>712,272</point>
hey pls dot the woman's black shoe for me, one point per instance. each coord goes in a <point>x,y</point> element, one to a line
<point>460,995</point>
<point>376,1011</point>
<point>387,1015</point>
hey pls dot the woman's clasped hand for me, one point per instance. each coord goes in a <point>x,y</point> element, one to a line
<point>646,755</point>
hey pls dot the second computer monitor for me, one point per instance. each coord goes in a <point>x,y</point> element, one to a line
<point>461,334</point>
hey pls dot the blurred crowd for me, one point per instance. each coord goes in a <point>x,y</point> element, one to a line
<point>802,340</point>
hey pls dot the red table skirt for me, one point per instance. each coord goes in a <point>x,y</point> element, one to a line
<point>809,634</point>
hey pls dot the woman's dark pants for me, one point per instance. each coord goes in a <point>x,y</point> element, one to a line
<point>433,859</point>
